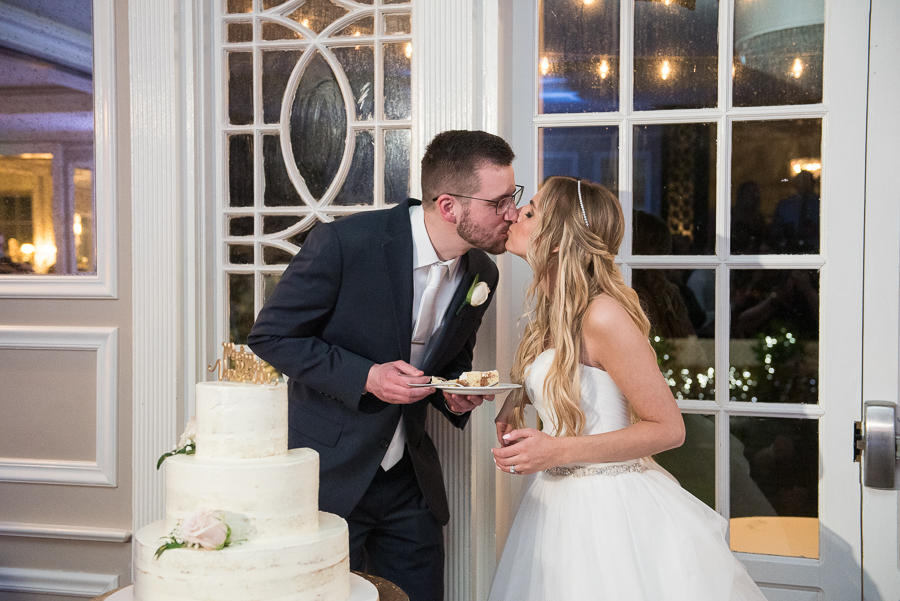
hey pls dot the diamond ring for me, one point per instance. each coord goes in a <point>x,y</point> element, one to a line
<point>512,469</point>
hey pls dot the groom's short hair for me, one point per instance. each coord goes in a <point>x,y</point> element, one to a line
<point>453,158</point>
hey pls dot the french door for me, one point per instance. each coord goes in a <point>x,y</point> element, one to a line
<point>734,135</point>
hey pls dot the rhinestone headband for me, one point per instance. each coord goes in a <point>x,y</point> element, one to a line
<point>581,202</point>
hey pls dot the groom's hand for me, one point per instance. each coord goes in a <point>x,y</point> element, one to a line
<point>390,383</point>
<point>463,403</point>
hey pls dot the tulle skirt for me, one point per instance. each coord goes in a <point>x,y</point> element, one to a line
<point>635,536</point>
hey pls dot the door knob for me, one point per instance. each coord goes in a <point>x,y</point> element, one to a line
<point>876,441</point>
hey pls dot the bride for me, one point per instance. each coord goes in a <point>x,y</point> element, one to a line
<point>599,519</point>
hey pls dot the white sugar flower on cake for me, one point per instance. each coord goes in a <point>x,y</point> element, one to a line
<point>187,444</point>
<point>201,530</point>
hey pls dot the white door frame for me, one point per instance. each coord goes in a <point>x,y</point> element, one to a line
<point>881,295</point>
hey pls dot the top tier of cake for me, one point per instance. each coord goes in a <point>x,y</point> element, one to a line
<point>241,421</point>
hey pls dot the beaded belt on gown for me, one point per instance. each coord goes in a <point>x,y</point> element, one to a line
<point>606,470</point>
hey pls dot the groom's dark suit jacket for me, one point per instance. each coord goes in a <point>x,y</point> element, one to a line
<point>343,304</point>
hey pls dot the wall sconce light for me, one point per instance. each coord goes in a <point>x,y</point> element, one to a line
<point>545,65</point>
<point>603,69</point>
<point>797,69</point>
<point>408,50</point>
<point>665,70</point>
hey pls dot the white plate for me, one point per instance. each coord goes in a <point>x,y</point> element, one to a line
<point>495,389</point>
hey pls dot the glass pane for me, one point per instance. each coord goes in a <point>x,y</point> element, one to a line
<point>675,189</point>
<point>775,169</point>
<point>318,14</point>
<point>239,6</point>
<point>358,64</point>
<point>240,226</point>
<point>240,88</point>
<point>359,187</point>
<point>676,54</point>
<point>83,220</point>
<point>276,256</point>
<point>397,100</point>
<point>276,31</point>
<point>778,50</point>
<point>393,2</point>
<point>47,211</point>
<point>587,152</point>
<point>267,4</point>
<point>278,190</point>
<point>240,170</point>
<point>240,32</point>
<point>396,165</point>
<point>579,57</point>
<point>781,456</point>
<point>686,360</point>
<point>240,254</point>
<point>270,280</point>
<point>277,68</point>
<point>240,306</point>
<point>397,24</point>
<point>774,345</point>
<point>318,127</point>
<point>694,463</point>
<point>273,224</point>
<point>364,26</point>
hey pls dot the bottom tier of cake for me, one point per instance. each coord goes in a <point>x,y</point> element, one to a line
<point>314,565</point>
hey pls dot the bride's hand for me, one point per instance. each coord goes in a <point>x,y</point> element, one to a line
<point>532,452</point>
<point>503,422</point>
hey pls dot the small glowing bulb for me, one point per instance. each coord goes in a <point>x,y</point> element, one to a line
<point>668,2</point>
<point>798,168</point>
<point>588,2</point>
<point>77,226</point>
<point>545,65</point>
<point>305,22</point>
<point>27,248</point>
<point>356,34</point>
<point>798,68</point>
<point>408,50</point>
<point>604,69</point>
<point>665,70</point>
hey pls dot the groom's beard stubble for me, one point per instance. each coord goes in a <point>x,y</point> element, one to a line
<point>481,237</point>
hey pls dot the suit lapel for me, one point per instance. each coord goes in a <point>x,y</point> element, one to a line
<point>398,257</point>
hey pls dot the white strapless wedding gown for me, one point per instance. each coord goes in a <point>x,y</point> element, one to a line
<point>620,535</point>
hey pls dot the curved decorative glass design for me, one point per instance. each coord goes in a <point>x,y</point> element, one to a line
<point>317,125</point>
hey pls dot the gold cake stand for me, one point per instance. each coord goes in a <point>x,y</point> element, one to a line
<point>387,591</point>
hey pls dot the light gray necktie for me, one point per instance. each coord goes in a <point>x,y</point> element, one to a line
<point>421,336</point>
<point>425,320</point>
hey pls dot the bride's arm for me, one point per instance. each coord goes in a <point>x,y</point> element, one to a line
<point>612,341</point>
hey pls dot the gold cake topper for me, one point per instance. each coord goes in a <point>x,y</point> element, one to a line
<point>246,367</point>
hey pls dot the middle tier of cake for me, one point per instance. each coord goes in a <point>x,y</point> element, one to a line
<point>258,498</point>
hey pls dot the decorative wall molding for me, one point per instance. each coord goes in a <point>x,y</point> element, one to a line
<point>103,340</point>
<point>103,283</point>
<point>51,582</point>
<point>158,201</point>
<point>103,535</point>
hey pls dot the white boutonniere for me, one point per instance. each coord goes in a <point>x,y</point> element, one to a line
<point>478,293</point>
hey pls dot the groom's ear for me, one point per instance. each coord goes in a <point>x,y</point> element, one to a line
<point>447,208</point>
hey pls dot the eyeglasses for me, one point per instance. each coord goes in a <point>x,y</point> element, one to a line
<point>502,205</point>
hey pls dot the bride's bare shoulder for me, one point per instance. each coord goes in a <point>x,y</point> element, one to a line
<point>607,317</point>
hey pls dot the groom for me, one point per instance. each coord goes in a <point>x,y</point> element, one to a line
<point>370,304</point>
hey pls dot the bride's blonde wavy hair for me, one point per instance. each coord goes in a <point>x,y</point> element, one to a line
<point>577,261</point>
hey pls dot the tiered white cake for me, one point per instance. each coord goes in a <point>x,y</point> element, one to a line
<point>268,495</point>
